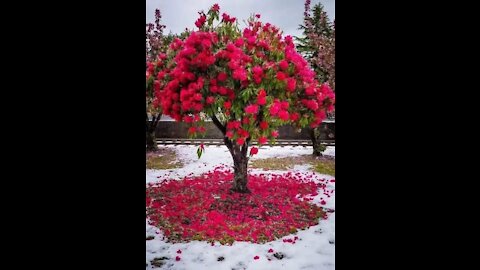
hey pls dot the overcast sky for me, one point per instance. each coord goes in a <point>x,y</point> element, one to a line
<point>286,14</point>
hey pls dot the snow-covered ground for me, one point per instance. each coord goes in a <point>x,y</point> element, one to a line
<point>314,249</point>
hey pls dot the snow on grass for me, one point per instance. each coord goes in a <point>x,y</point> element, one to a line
<point>216,155</point>
<point>314,249</point>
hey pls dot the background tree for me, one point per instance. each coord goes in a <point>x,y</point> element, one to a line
<point>155,44</point>
<point>248,82</point>
<point>318,47</point>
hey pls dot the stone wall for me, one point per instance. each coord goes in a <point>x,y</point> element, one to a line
<point>172,129</point>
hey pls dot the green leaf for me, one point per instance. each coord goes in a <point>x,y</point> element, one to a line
<point>303,121</point>
<point>199,152</point>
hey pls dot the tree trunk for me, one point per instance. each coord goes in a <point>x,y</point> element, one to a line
<point>151,141</point>
<point>240,180</point>
<point>318,148</point>
<point>150,128</point>
<point>240,159</point>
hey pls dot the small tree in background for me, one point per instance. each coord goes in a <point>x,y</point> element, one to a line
<point>318,47</point>
<point>154,46</point>
<point>249,82</point>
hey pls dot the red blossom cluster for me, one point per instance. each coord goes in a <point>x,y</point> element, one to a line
<point>203,208</point>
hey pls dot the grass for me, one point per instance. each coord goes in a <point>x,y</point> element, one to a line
<point>323,165</point>
<point>163,159</point>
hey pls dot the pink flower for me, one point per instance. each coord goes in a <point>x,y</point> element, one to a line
<point>240,74</point>
<point>198,97</point>
<point>261,100</point>
<point>281,76</point>
<point>263,125</point>
<point>262,140</point>
<point>312,105</point>
<point>243,133</point>
<point>251,109</point>
<point>192,130</point>
<point>225,17</point>
<point>227,105</point>
<point>239,42</point>
<point>198,107</point>
<point>210,100</point>
<point>201,21</point>
<point>179,251</point>
<point>288,39</point>
<point>222,76</point>
<point>274,133</point>
<point>310,91</point>
<point>187,119</point>
<point>283,115</point>
<point>262,93</point>
<point>216,7</point>
<point>233,125</point>
<point>257,70</point>
<point>222,90</point>
<point>294,116</point>
<point>256,258</point>
<point>270,251</point>
<point>274,109</point>
<point>177,258</point>
<point>291,84</point>
<point>283,65</point>
<point>325,88</point>
<point>240,141</point>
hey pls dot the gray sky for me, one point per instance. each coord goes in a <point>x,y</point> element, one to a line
<point>286,14</point>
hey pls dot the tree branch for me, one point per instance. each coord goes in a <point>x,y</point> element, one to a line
<point>152,123</point>
<point>157,120</point>
<point>219,125</point>
<point>146,121</point>
<point>245,146</point>
<point>229,145</point>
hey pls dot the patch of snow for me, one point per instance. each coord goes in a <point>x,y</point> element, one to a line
<point>330,151</point>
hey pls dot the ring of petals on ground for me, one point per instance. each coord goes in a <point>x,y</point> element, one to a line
<point>203,207</point>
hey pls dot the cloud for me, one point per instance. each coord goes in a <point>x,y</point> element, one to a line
<point>286,14</point>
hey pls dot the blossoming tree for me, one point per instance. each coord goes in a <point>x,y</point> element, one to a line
<point>249,82</point>
<point>155,43</point>
<point>318,47</point>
